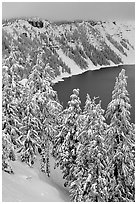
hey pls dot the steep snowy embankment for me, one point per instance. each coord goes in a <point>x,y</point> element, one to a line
<point>121,31</point>
<point>31,185</point>
<point>69,48</point>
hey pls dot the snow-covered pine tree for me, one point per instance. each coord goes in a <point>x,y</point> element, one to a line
<point>88,109</point>
<point>89,181</point>
<point>49,73</point>
<point>8,107</point>
<point>35,79</point>
<point>66,141</point>
<point>39,57</point>
<point>47,111</point>
<point>40,81</point>
<point>10,119</point>
<point>89,105</point>
<point>83,118</point>
<point>120,144</point>
<point>29,139</point>
<point>7,153</point>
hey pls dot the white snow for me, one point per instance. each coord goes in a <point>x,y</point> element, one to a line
<point>131,57</point>
<point>91,66</point>
<point>118,32</point>
<point>31,185</point>
<point>75,69</point>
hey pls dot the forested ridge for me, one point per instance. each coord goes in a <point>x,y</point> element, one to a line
<point>97,158</point>
<point>86,44</point>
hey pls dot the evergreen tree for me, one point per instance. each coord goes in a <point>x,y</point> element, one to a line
<point>7,153</point>
<point>120,144</point>
<point>66,141</point>
<point>87,112</point>
<point>89,181</point>
<point>46,108</point>
<point>29,139</point>
<point>10,119</point>
<point>47,111</point>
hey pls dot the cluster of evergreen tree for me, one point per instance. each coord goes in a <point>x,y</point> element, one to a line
<point>118,46</point>
<point>97,159</point>
<point>29,115</point>
<point>29,40</point>
<point>100,57</point>
<point>80,35</point>
<point>124,44</point>
<point>28,45</point>
<point>76,55</point>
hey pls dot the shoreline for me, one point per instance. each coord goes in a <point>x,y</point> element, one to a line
<point>66,75</point>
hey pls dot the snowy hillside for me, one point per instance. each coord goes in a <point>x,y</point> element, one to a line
<point>31,185</point>
<point>70,48</point>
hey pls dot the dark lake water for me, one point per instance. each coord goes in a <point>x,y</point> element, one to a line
<point>97,83</point>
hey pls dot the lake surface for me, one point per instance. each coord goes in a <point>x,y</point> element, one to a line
<point>97,83</point>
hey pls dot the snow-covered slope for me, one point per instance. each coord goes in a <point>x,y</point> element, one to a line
<point>70,48</point>
<point>31,185</point>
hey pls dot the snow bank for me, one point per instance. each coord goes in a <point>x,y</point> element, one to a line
<point>31,185</point>
<point>75,69</point>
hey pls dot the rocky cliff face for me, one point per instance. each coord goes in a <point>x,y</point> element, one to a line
<point>68,48</point>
